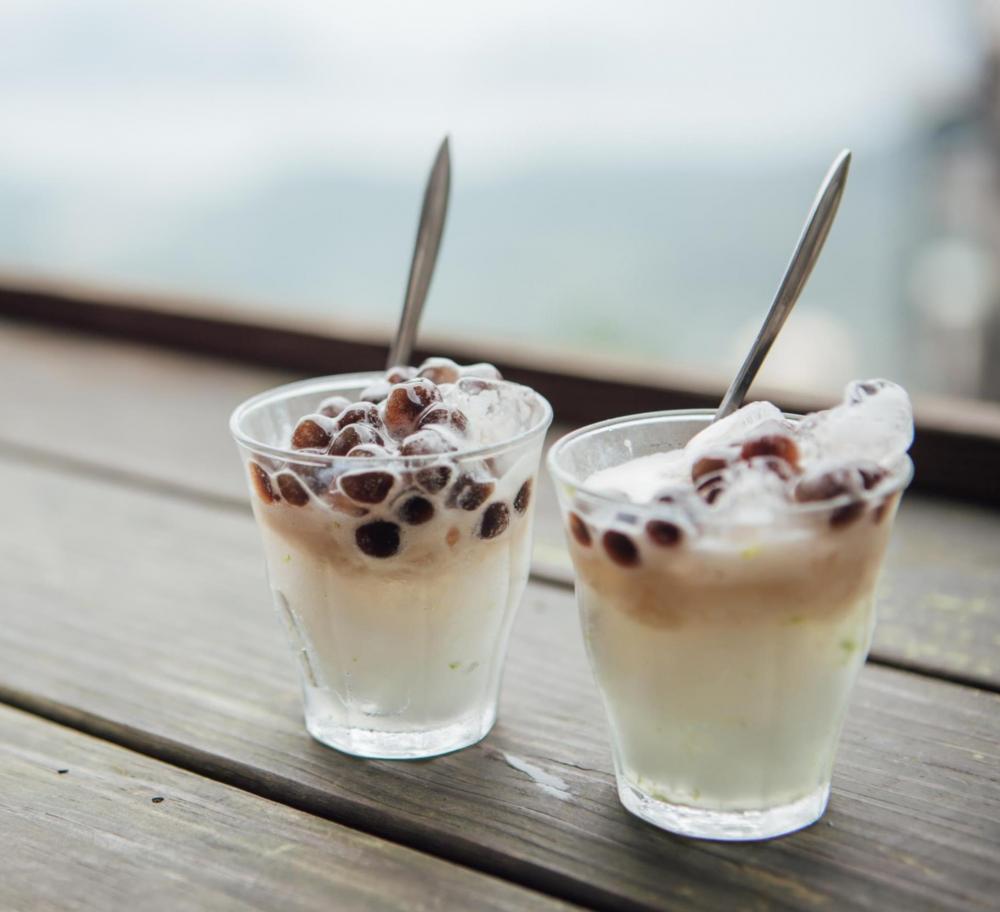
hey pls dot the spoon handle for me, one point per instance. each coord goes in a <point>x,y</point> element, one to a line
<point>425,251</point>
<point>806,253</point>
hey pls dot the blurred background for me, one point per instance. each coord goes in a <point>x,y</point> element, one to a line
<point>628,178</point>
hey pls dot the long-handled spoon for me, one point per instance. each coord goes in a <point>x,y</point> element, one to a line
<point>806,253</point>
<point>425,251</point>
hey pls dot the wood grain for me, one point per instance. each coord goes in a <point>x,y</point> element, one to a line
<point>941,613</point>
<point>88,825</point>
<point>144,619</point>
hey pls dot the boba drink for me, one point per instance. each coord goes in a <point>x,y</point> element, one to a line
<point>726,575</point>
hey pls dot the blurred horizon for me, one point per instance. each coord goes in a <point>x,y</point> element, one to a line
<point>629,180</point>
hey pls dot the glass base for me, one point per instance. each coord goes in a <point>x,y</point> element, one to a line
<point>730,826</point>
<point>373,744</point>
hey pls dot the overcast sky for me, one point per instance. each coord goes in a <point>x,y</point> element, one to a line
<point>182,92</point>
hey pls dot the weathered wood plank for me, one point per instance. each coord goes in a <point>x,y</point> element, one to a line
<point>145,619</point>
<point>88,825</point>
<point>941,612</point>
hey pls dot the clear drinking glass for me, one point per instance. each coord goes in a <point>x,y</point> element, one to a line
<point>398,613</point>
<point>725,654</point>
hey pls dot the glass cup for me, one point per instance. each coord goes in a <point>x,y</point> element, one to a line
<point>398,612</point>
<point>724,651</point>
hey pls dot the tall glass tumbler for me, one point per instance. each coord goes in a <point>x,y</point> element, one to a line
<point>725,654</point>
<point>398,612</point>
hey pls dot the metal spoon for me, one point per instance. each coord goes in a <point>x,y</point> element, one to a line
<point>806,253</point>
<point>425,251</point>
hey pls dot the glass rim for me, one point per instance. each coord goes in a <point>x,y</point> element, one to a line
<point>900,474</point>
<point>329,383</point>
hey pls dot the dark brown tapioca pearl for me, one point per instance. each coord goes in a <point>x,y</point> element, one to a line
<point>378,539</point>
<point>578,529</point>
<point>400,374</point>
<point>332,406</point>
<point>341,503</point>
<point>522,498</point>
<point>775,465</point>
<point>360,413</point>
<point>469,493</point>
<point>427,442</point>
<point>261,482</point>
<point>433,479</point>
<point>774,445</point>
<point>879,513</point>
<point>496,518</point>
<point>451,418</point>
<point>439,370</point>
<point>405,403</point>
<point>352,436</point>
<point>367,487</point>
<point>313,432</point>
<point>847,514</point>
<point>663,533</point>
<point>620,548</point>
<point>367,451</point>
<point>711,489</point>
<point>707,465</point>
<point>849,479</point>
<point>376,392</point>
<point>292,490</point>
<point>416,510</point>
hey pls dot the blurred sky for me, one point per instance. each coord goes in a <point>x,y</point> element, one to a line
<point>612,161</point>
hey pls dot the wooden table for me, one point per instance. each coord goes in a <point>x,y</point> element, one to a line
<point>152,752</point>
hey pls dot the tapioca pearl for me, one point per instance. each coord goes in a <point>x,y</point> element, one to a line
<point>261,483</point>
<point>378,539</point>
<point>879,513</point>
<point>470,493</point>
<point>400,374</point>
<point>707,465</point>
<point>405,403</point>
<point>451,539</point>
<point>852,479</point>
<point>711,488</point>
<point>292,490</point>
<point>332,406</point>
<point>352,436</point>
<point>360,413</point>
<point>775,465</point>
<point>522,498</point>
<point>439,370</point>
<point>313,432</point>
<point>496,518</point>
<point>428,442</point>
<point>376,392</point>
<point>776,445</point>
<point>367,451</point>
<point>367,487</point>
<point>847,514</point>
<point>416,510</point>
<point>341,503</point>
<point>663,533</point>
<point>620,548</point>
<point>578,529</point>
<point>451,418</point>
<point>433,479</point>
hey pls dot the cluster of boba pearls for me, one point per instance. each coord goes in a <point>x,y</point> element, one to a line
<point>401,415</point>
<point>777,454</point>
